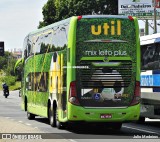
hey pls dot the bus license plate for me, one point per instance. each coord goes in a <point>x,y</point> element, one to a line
<point>105,116</point>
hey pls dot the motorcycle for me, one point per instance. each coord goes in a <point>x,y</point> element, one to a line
<point>6,93</point>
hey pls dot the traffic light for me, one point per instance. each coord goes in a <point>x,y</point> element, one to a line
<point>1,48</point>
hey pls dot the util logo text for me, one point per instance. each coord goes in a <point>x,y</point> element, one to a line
<point>113,28</point>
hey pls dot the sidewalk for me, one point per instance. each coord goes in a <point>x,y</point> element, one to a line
<point>11,126</point>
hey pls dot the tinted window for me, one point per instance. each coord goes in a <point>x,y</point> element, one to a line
<point>150,56</point>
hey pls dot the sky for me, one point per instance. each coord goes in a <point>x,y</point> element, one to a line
<point>20,17</point>
<point>17,19</point>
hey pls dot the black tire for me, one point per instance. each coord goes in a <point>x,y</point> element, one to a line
<point>59,125</point>
<point>141,120</point>
<point>30,116</point>
<point>6,94</point>
<point>52,119</point>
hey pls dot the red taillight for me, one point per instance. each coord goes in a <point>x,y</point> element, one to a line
<point>79,17</point>
<point>130,18</point>
<point>73,94</point>
<point>137,94</point>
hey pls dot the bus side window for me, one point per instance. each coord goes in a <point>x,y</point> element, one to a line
<point>29,50</point>
<point>25,54</point>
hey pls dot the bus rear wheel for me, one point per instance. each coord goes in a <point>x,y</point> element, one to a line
<point>52,119</point>
<point>141,120</point>
<point>59,125</point>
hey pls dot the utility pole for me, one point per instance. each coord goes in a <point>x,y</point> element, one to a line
<point>155,19</point>
<point>146,27</point>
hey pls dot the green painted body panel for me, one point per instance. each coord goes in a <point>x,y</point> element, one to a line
<point>93,114</point>
<point>138,50</point>
<point>124,48</point>
<point>72,47</point>
<point>37,101</point>
<point>42,65</point>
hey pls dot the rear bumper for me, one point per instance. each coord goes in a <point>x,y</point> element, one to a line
<point>78,113</point>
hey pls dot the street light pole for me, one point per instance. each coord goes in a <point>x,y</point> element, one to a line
<point>155,19</point>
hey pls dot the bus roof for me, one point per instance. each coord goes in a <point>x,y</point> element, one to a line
<point>49,26</point>
<point>106,16</point>
<point>83,16</point>
<point>148,39</point>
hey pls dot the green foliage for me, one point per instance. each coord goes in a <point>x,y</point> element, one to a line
<point>7,74</point>
<point>7,68</point>
<point>18,71</point>
<point>9,80</point>
<point>4,60</point>
<point>88,7</point>
<point>16,86</point>
<point>7,63</point>
<point>56,10</point>
<point>49,13</point>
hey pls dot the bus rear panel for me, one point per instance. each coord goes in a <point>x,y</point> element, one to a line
<point>106,85</point>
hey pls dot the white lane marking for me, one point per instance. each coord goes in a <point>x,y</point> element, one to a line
<point>72,140</point>
<point>27,124</point>
<point>155,120</point>
<point>140,130</point>
<point>20,121</point>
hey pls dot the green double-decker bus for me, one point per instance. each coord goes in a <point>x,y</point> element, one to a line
<point>83,69</point>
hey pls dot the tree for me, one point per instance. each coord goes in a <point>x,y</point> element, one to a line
<point>88,7</point>
<point>56,10</point>
<point>107,7</point>
<point>18,69</point>
<point>49,14</point>
<point>3,62</point>
<point>7,63</point>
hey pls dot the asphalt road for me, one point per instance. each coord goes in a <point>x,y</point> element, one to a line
<point>10,110</point>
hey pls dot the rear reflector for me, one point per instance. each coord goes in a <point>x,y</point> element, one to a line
<point>73,94</point>
<point>137,94</point>
<point>130,18</point>
<point>79,17</point>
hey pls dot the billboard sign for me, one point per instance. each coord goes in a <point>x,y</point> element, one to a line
<point>142,9</point>
<point>1,48</point>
